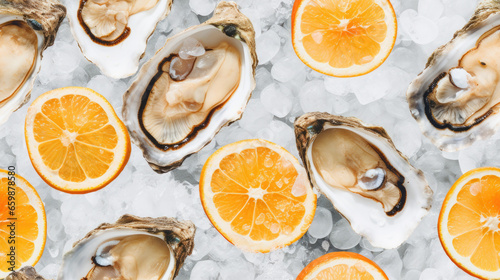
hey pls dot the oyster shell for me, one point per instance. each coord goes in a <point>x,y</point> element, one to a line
<point>358,168</point>
<point>456,99</point>
<point>25,273</point>
<point>133,247</point>
<point>27,28</point>
<point>113,33</point>
<point>200,81</point>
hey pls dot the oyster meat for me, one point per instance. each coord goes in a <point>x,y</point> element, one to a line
<point>365,177</point>
<point>456,99</point>
<point>197,83</point>
<point>27,28</point>
<point>132,248</point>
<point>113,33</point>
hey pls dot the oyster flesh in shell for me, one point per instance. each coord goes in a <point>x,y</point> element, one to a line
<point>358,168</point>
<point>456,99</point>
<point>27,28</point>
<point>132,248</point>
<point>25,273</point>
<point>197,83</point>
<point>113,33</point>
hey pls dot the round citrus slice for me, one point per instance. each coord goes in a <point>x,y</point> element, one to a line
<point>257,195</point>
<point>342,266</point>
<point>468,225</point>
<point>343,38</point>
<point>23,226</point>
<point>75,140</point>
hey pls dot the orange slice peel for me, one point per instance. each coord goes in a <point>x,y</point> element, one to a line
<point>257,195</point>
<point>75,140</point>
<point>342,266</point>
<point>468,225</point>
<point>343,38</point>
<point>23,224</point>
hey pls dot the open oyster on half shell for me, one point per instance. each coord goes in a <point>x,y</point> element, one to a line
<point>200,81</point>
<point>27,28</point>
<point>113,34</point>
<point>456,99</point>
<point>358,168</point>
<point>132,248</point>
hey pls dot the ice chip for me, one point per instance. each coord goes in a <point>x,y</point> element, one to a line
<point>191,48</point>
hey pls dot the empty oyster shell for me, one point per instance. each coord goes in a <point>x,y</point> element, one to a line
<point>25,273</point>
<point>27,28</point>
<point>131,248</point>
<point>113,33</point>
<point>365,177</point>
<point>455,99</point>
<point>200,81</point>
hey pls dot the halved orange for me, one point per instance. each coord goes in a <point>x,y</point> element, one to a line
<point>343,38</point>
<point>23,226</point>
<point>257,195</point>
<point>75,140</point>
<point>342,266</point>
<point>468,225</point>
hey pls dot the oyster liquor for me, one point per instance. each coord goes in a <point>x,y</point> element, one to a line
<point>11,225</point>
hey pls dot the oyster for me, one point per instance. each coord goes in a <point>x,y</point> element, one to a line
<point>197,83</point>
<point>456,99</point>
<point>27,28</point>
<point>132,248</point>
<point>365,177</point>
<point>113,33</point>
<point>25,273</point>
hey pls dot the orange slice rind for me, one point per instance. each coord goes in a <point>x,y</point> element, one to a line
<point>75,140</point>
<point>343,38</point>
<point>468,225</point>
<point>23,224</point>
<point>342,266</point>
<point>257,195</point>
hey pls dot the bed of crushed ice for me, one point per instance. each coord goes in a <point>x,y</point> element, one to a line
<point>286,88</point>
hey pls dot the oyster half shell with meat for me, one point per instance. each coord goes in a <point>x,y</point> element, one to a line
<point>132,248</point>
<point>456,99</point>
<point>27,28</point>
<point>358,168</point>
<point>200,81</point>
<point>113,34</point>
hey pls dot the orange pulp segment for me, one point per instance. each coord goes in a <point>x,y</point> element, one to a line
<point>257,195</point>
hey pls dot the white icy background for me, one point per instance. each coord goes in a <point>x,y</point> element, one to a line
<point>286,88</point>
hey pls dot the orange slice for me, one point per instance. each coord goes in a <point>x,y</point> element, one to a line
<point>257,195</point>
<point>468,225</point>
<point>23,226</point>
<point>343,38</point>
<point>342,266</point>
<point>75,140</point>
